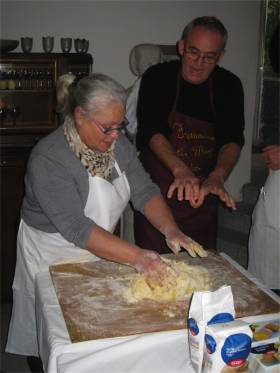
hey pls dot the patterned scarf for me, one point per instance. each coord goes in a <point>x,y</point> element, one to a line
<point>97,163</point>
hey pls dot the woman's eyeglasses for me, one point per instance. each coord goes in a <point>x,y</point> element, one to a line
<point>110,130</point>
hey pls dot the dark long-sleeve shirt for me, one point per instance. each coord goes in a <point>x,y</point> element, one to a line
<point>157,94</point>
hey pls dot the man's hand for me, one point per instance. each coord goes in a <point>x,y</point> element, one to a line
<point>215,185</point>
<point>186,184</point>
<point>227,158</point>
<point>177,240</point>
<point>271,156</point>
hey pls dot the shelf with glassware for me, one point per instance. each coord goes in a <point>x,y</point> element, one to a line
<point>27,113</point>
<point>27,89</point>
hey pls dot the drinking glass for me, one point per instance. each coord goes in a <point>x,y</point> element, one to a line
<point>48,43</point>
<point>26,44</point>
<point>66,44</point>
<point>78,44</point>
<point>81,45</point>
<point>85,46</point>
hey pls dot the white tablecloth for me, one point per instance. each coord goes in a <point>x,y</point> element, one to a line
<point>162,352</point>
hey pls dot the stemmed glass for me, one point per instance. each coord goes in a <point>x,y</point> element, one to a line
<point>3,113</point>
<point>14,112</point>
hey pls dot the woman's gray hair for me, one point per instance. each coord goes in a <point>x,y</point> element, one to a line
<point>209,23</point>
<point>62,86</point>
<point>92,93</point>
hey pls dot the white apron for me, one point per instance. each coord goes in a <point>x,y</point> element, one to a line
<point>37,250</point>
<point>264,240</point>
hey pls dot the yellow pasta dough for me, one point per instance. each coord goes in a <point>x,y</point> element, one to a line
<point>180,280</point>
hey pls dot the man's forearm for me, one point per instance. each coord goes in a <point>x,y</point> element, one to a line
<point>227,159</point>
<point>165,152</point>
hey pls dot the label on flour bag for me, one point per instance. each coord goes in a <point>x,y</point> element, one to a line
<point>228,346</point>
<point>193,327</point>
<point>221,317</point>
<point>207,307</point>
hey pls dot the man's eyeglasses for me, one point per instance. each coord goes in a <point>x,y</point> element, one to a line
<point>110,130</point>
<point>194,54</point>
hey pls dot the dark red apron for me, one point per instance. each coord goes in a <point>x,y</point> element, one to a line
<point>194,142</point>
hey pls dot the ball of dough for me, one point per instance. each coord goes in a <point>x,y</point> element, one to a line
<point>180,280</point>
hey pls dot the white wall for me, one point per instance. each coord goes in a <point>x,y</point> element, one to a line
<point>114,27</point>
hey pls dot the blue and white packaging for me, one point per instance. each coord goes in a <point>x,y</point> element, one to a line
<point>228,347</point>
<point>207,307</point>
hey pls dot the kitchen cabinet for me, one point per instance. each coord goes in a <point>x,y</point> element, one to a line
<point>27,113</point>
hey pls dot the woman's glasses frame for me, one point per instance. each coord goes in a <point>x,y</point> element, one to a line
<point>110,130</point>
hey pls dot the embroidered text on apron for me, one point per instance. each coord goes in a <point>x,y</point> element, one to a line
<point>37,250</point>
<point>194,142</point>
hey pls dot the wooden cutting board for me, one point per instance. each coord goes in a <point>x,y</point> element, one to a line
<point>90,297</point>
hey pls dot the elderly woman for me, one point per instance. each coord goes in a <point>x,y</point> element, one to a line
<point>79,180</point>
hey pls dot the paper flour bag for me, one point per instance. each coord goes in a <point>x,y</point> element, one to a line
<point>228,346</point>
<point>207,307</point>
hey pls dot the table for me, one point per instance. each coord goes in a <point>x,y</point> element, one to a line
<point>165,352</point>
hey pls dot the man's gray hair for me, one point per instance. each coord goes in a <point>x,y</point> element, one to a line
<point>209,23</point>
<point>92,93</point>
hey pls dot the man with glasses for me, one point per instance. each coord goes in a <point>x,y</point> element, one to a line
<point>190,132</point>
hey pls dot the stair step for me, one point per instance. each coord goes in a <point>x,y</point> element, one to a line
<point>250,193</point>
<point>229,235</point>
<point>233,232</point>
<point>238,253</point>
<point>259,170</point>
<point>234,226</point>
<point>237,221</point>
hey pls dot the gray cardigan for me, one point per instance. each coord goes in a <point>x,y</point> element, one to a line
<point>57,187</point>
